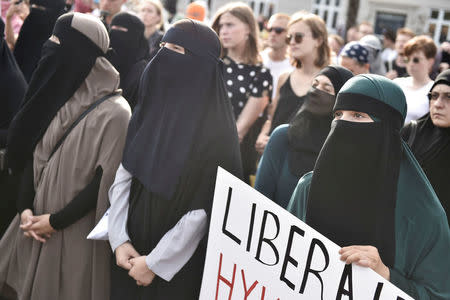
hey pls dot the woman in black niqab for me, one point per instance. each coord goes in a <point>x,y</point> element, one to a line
<point>12,90</point>
<point>61,71</point>
<point>431,146</point>
<point>12,86</point>
<point>130,55</point>
<point>177,138</point>
<point>36,29</point>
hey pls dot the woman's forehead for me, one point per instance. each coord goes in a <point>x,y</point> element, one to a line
<point>441,88</point>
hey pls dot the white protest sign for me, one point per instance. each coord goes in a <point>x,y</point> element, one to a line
<point>257,250</point>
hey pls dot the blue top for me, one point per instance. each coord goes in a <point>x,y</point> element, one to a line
<point>273,177</point>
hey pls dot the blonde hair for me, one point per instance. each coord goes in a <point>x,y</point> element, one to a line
<point>319,31</point>
<point>244,13</point>
<point>280,16</point>
<point>159,9</point>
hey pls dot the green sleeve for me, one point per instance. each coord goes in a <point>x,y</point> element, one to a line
<point>430,277</point>
<point>298,202</point>
<point>269,169</point>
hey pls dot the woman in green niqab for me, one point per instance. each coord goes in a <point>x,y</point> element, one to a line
<point>368,194</point>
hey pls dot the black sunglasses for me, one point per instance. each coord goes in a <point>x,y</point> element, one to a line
<point>277,30</point>
<point>298,38</point>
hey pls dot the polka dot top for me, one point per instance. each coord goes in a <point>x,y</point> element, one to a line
<point>243,81</point>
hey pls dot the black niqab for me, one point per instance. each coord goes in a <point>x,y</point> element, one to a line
<point>36,29</point>
<point>354,185</point>
<point>61,71</point>
<point>130,53</point>
<point>309,128</point>
<point>431,147</point>
<point>12,86</point>
<point>168,123</point>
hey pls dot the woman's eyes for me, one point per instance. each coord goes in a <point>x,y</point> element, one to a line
<point>337,114</point>
<point>358,116</point>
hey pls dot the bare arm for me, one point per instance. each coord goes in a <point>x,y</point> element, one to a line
<point>263,136</point>
<point>250,113</point>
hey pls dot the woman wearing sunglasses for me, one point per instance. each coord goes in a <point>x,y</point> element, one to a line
<point>307,39</point>
<point>248,83</point>
<point>368,189</point>
<point>419,52</point>
<point>429,139</point>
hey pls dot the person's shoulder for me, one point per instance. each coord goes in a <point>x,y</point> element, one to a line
<point>117,106</point>
<point>280,132</point>
<point>279,136</point>
<point>283,78</point>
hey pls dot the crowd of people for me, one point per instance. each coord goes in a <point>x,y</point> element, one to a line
<point>118,107</point>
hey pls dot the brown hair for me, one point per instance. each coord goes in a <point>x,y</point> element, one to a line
<point>244,13</point>
<point>338,39</point>
<point>319,31</point>
<point>421,43</point>
<point>159,9</point>
<point>406,31</point>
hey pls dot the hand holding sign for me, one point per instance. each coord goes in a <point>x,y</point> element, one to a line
<point>365,256</point>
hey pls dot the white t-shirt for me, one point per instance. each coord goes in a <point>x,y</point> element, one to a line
<point>388,54</point>
<point>276,68</point>
<point>416,99</point>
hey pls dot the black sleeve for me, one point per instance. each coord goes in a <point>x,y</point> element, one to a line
<point>85,201</point>
<point>3,137</point>
<point>26,188</point>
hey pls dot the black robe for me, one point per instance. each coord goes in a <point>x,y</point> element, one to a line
<point>177,138</point>
<point>12,90</point>
<point>431,147</point>
<point>151,216</point>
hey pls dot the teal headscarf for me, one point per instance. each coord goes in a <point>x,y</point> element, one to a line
<point>375,89</point>
<point>422,236</point>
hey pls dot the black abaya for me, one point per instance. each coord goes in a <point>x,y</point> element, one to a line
<point>176,140</point>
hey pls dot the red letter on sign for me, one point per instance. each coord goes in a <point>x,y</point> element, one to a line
<point>247,292</point>
<point>220,277</point>
<point>263,294</point>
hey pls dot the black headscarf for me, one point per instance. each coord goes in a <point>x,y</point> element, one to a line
<point>61,71</point>
<point>431,147</point>
<point>353,190</point>
<point>168,123</point>
<point>36,29</point>
<point>130,53</point>
<point>309,128</point>
<point>12,86</point>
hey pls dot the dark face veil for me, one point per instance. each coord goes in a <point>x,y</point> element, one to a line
<point>179,95</point>
<point>310,126</point>
<point>36,29</point>
<point>12,84</point>
<point>130,44</point>
<point>353,191</point>
<point>61,71</point>
<point>130,52</point>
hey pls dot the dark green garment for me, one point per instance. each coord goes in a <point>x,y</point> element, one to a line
<point>273,178</point>
<point>422,257</point>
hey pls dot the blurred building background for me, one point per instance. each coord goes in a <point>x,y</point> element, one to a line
<point>423,17</point>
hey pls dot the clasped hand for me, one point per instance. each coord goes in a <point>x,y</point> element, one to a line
<point>129,259</point>
<point>37,227</point>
